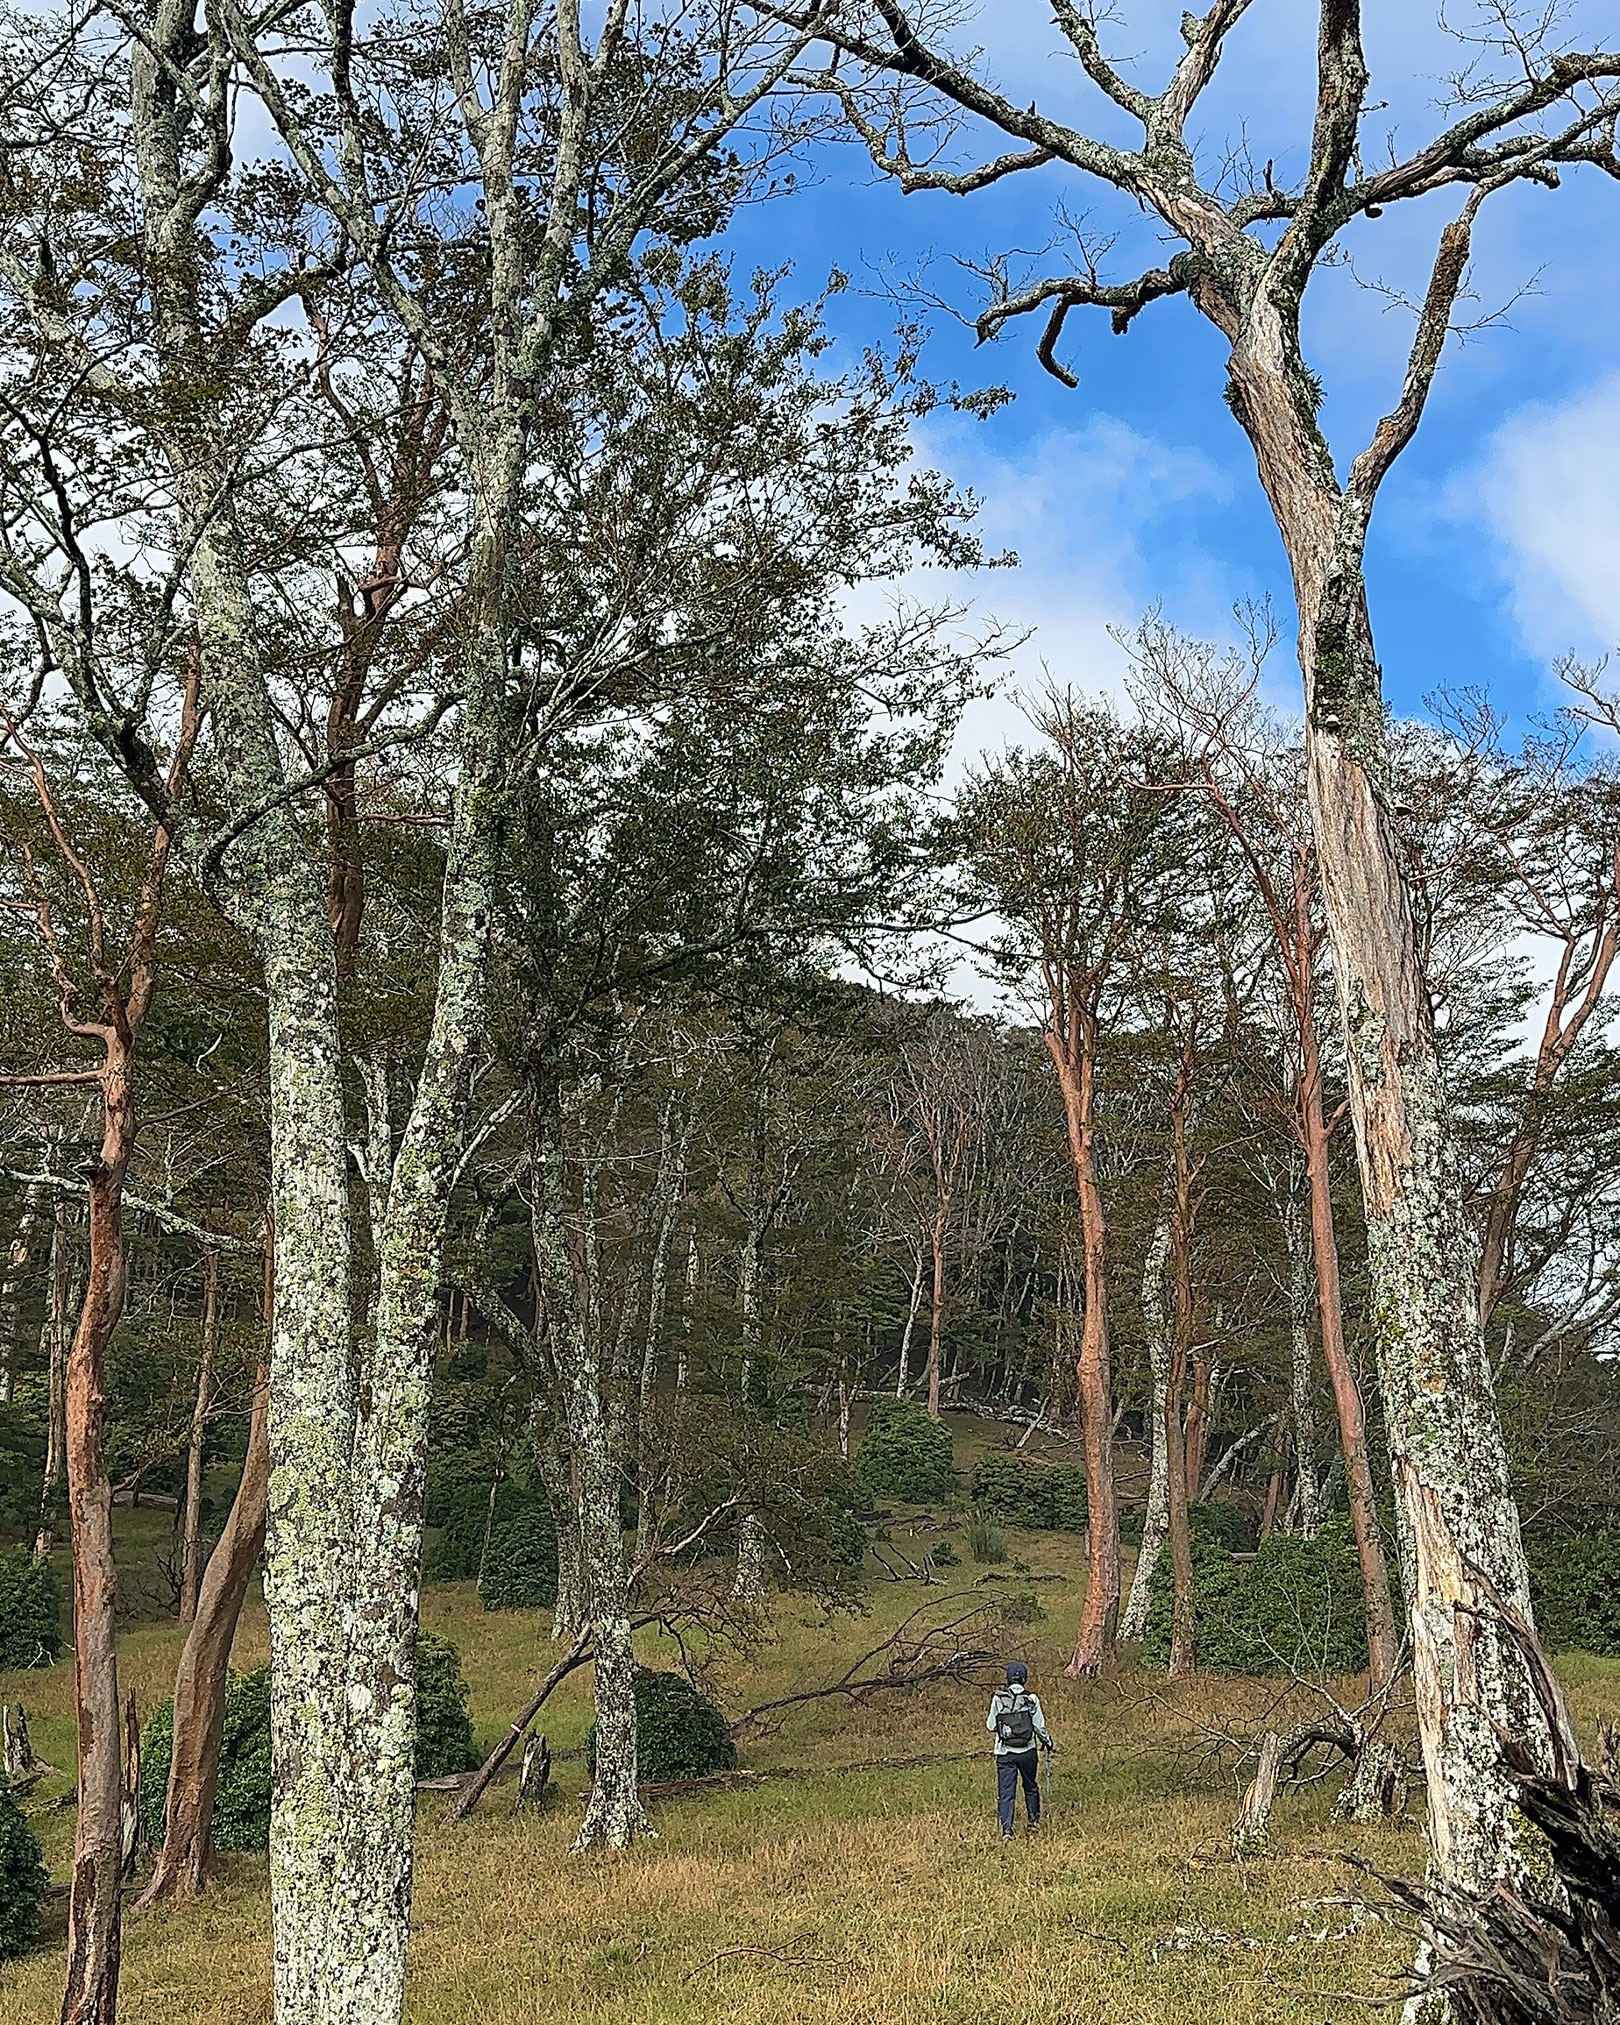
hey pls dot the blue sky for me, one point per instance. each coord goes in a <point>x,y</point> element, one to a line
<point>1496,546</point>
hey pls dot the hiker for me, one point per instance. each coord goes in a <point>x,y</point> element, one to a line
<point>1019,1728</point>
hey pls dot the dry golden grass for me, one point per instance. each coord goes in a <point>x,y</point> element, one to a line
<point>840,1898</point>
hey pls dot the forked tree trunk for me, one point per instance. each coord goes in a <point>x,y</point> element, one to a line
<point>1099,1616</point>
<point>94,1918</point>
<point>902,1383</point>
<point>1156,1519</point>
<point>557,1476</point>
<point>186,1864</point>
<point>191,1527</point>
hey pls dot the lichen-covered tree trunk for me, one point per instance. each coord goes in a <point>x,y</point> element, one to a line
<point>1183,1627</point>
<point>557,1475</point>
<point>1156,1518</point>
<point>613,1813</point>
<point>1099,1615</point>
<point>94,1919</point>
<point>1444,1432</point>
<point>186,1864</point>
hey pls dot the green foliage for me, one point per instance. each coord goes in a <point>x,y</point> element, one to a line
<point>463,1509</point>
<point>242,1799</point>
<point>944,1555</point>
<point>22,1465</point>
<point>680,1733</point>
<point>520,1572</point>
<point>22,1878</point>
<point>1295,1608</point>
<point>1575,1586</point>
<point>444,1735</point>
<point>986,1543</point>
<point>1232,1526</point>
<point>1044,1497</point>
<point>30,1612</point>
<point>904,1454</point>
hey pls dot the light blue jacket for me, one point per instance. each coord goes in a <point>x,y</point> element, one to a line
<point>1003,1698</point>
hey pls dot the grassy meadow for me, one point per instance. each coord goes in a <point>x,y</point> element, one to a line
<point>837,1896</point>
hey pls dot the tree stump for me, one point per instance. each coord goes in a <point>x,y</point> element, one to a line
<point>1377,1787</point>
<point>1253,1831</point>
<point>534,1777</point>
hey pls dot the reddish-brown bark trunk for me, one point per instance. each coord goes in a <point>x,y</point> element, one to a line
<point>191,1525</point>
<point>186,1863</point>
<point>94,1927</point>
<point>1099,1616</point>
<point>1383,1648</point>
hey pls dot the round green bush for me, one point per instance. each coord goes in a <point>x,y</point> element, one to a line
<point>22,1877</point>
<point>1043,1497</point>
<point>904,1454</point>
<point>680,1733</point>
<point>463,1509</point>
<point>242,1797</point>
<point>1295,1608</point>
<point>444,1733</point>
<point>1575,1587</point>
<point>1232,1526</point>
<point>30,1612</point>
<point>520,1572</point>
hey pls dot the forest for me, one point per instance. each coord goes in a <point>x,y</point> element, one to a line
<point>649,1151</point>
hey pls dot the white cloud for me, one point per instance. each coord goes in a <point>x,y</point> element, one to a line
<point>1548,491</point>
<point>1084,509</point>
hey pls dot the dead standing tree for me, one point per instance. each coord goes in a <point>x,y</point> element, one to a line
<point>1542,110</point>
<point>124,989</point>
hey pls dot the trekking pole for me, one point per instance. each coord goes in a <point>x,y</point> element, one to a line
<point>1046,1777</point>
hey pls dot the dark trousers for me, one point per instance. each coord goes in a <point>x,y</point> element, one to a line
<point>1010,1768</point>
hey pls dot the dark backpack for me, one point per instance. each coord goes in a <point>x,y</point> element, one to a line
<point>1015,1722</point>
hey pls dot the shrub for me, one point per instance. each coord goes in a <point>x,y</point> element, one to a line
<point>30,1612</point>
<point>904,1454</point>
<point>1023,1608</point>
<point>986,1543</point>
<point>1044,1497</point>
<point>520,1572</point>
<point>464,1513</point>
<point>1296,1607</point>
<point>944,1555</point>
<point>242,1798</point>
<point>1231,1526</point>
<point>22,1877</point>
<point>680,1733</point>
<point>444,1734</point>
<point>1575,1586</point>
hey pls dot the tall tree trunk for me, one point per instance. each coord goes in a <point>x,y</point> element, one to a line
<point>613,1814</point>
<point>557,1475</point>
<point>191,1527</point>
<point>1472,1684</point>
<point>94,1918</point>
<point>1183,1635</point>
<point>1201,1363</point>
<point>936,1313</point>
<point>1156,1519</point>
<point>1302,1382</point>
<point>55,1401</point>
<point>902,1383</point>
<point>1099,1616</point>
<point>186,1863</point>
<point>1383,1645</point>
